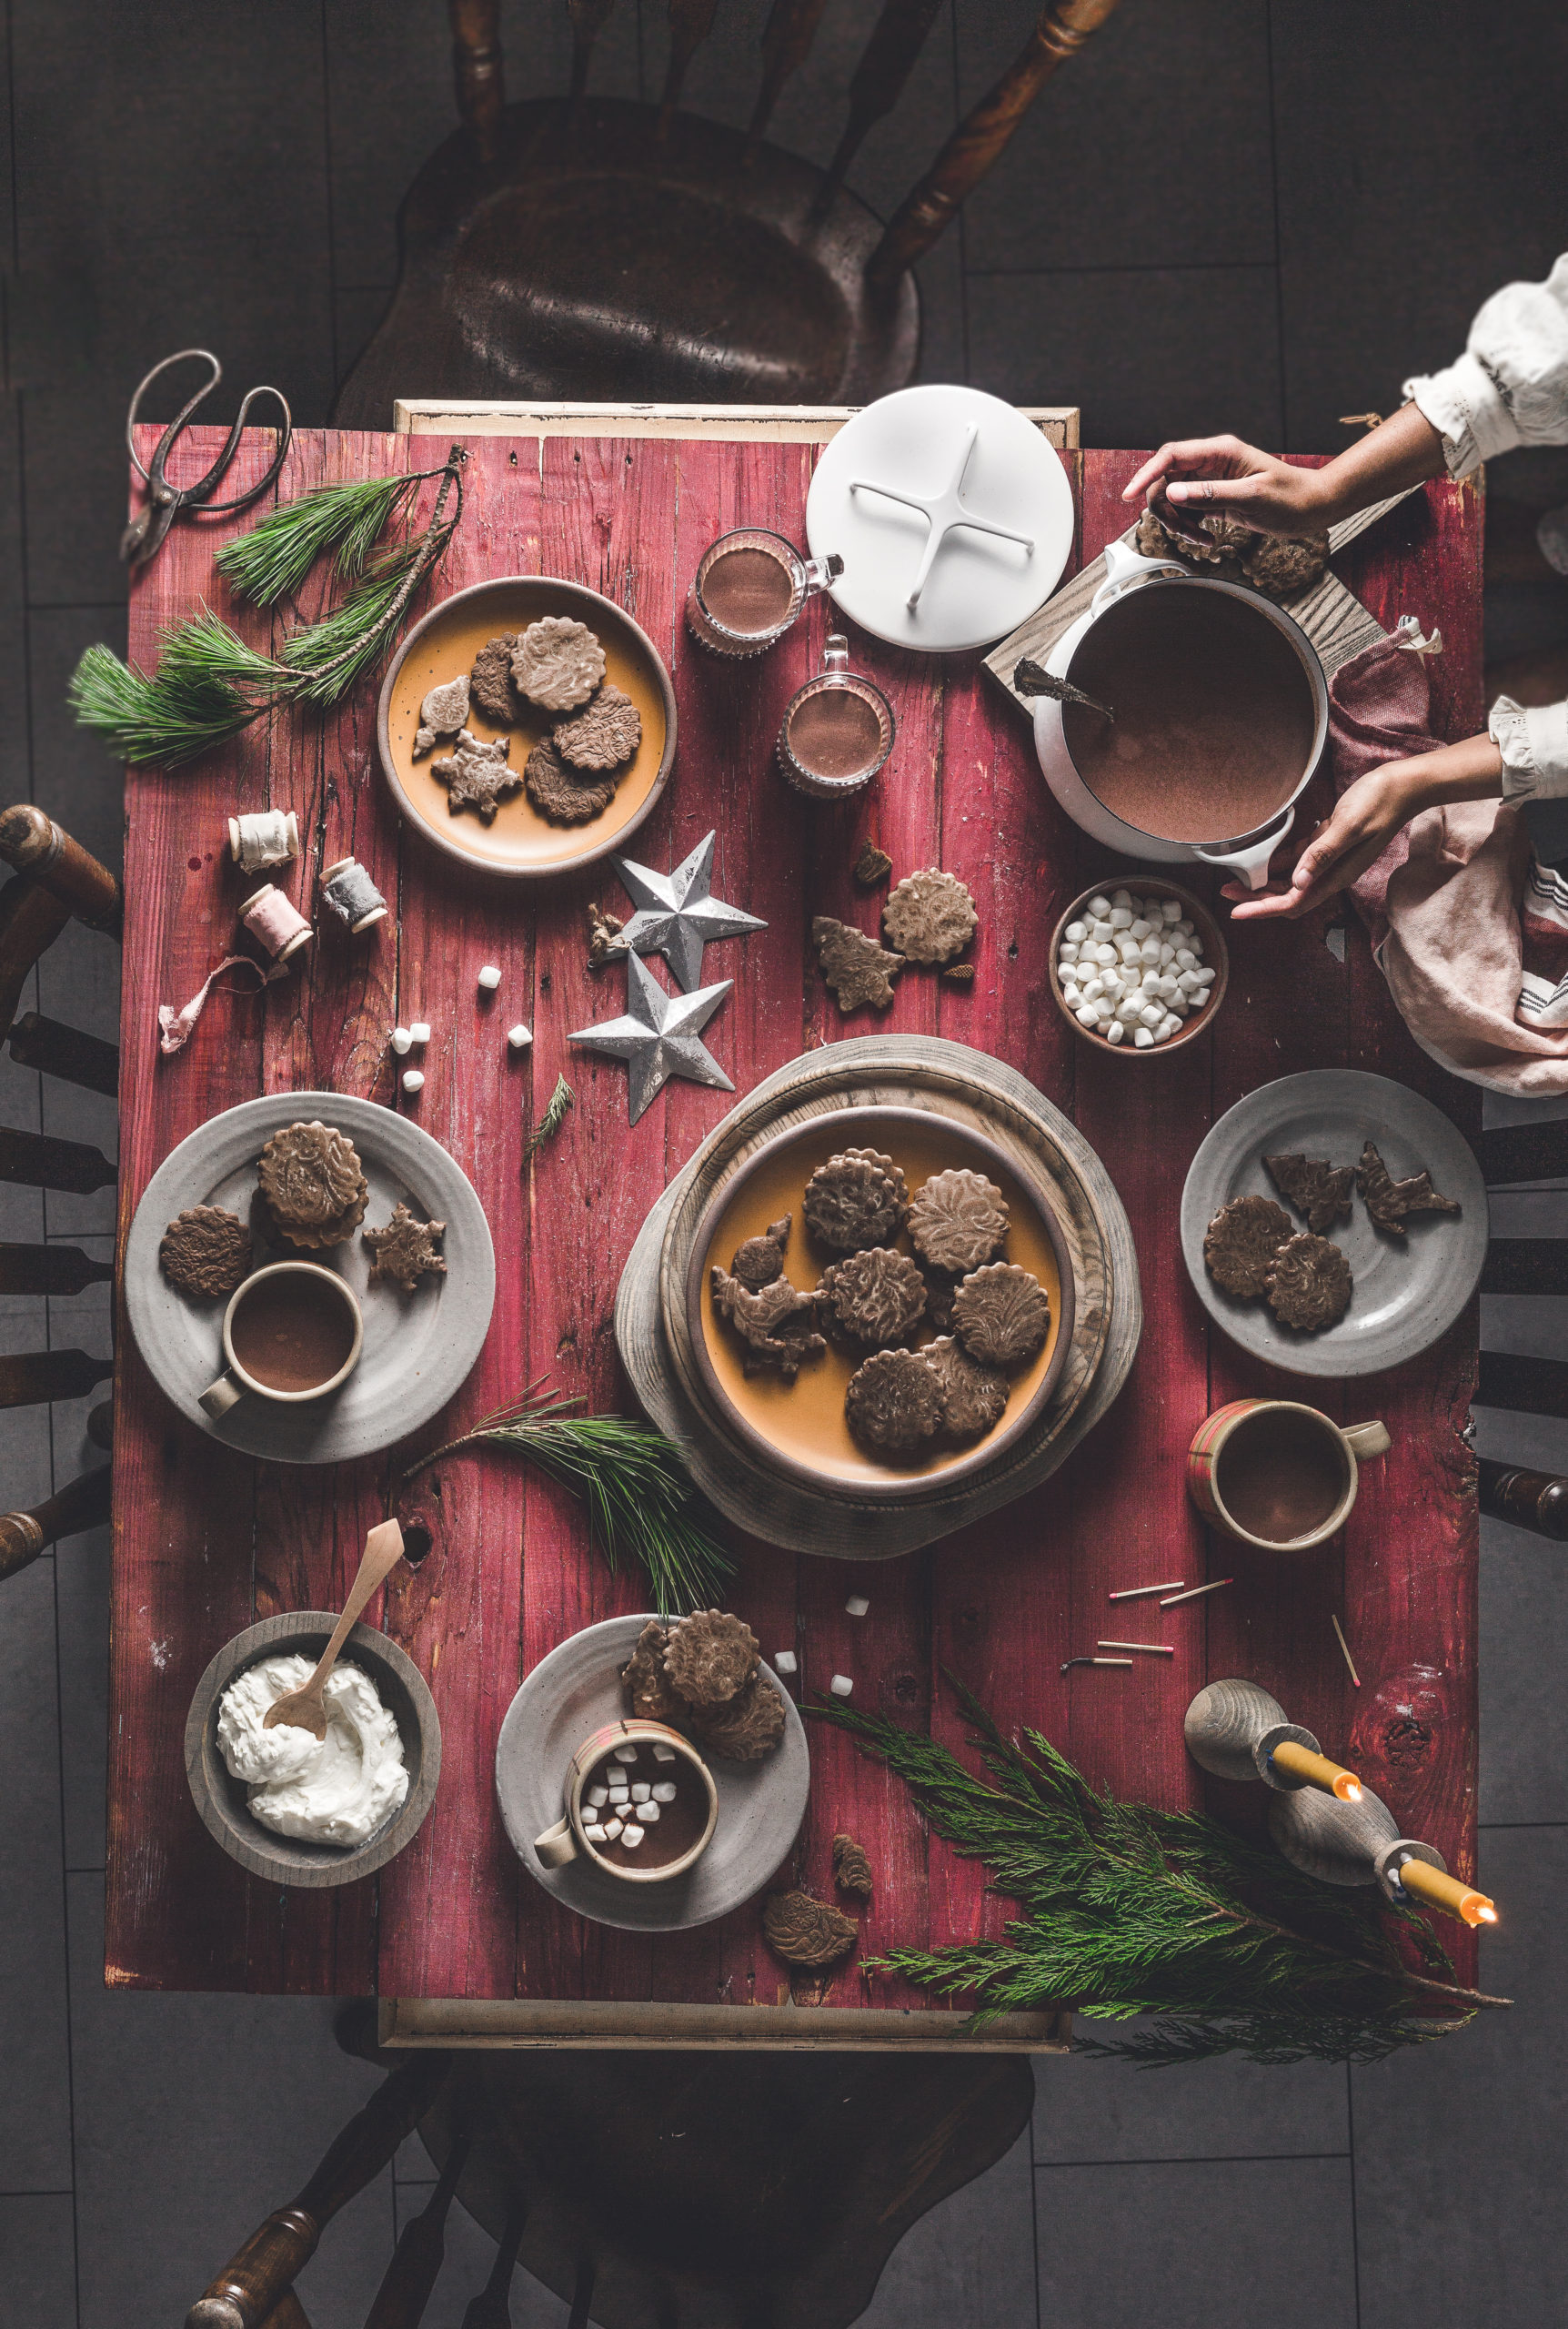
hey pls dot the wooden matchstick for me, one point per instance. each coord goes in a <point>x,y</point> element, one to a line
<point>1139,1592</point>
<point>1195,1592</point>
<point>1344,1645</point>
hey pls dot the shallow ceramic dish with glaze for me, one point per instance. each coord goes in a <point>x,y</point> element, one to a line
<point>1408,1291</point>
<point>220,1798</point>
<point>800,1427</point>
<point>418,1347</point>
<point>576,1690</point>
<point>521,845</point>
<point>1216,955</point>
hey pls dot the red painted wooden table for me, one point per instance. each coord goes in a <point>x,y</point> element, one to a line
<point>207,1540</point>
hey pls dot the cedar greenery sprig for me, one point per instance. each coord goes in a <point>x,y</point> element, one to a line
<point>1131,1911</point>
<point>550,1123</point>
<point>209,685</point>
<point>640,1501</point>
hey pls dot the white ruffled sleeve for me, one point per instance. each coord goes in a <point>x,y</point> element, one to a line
<point>1534,748</point>
<point>1511,385</point>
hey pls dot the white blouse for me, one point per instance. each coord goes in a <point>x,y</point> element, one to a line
<point>1509,388</point>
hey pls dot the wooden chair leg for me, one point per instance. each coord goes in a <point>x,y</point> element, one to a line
<point>50,1269</point>
<point>250,2286</point>
<point>981,137</point>
<point>35,845</point>
<point>1534,1387</point>
<point>31,919</point>
<point>404,2290</point>
<point>582,2294</point>
<point>492,2308</point>
<point>477,68</point>
<point>1535,1500</point>
<point>30,1377</point>
<point>84,1504</point>
<point>65,1052</point>
<point>38,1162</point>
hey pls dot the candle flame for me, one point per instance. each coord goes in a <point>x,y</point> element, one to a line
<point>1481,1912</point>
<point>1348,1788</point>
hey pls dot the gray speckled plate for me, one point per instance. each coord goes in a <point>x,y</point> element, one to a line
<point>575,1691</point>
<point>1408,1291</point>
<point>418,1347</point>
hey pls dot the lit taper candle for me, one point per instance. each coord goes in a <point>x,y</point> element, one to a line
<point>1446,1892</point>
<point>1317,1771</point>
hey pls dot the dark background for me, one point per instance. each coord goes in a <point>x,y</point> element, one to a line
<point>1224,214</point>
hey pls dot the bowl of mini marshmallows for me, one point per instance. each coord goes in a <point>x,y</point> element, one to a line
<point>1140,970</point>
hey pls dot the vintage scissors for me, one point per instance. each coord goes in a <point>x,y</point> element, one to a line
<point>142,538</point>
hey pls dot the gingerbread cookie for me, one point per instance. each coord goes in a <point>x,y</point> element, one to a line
<point>205,1252</point>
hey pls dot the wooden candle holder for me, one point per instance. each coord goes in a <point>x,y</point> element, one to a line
<point>1346,1843</point>
<point>1234,1729</point>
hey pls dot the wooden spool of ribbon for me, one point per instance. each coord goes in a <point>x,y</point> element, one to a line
<point>270,837</point>
<point>352,895</point>
<point>276,923</point>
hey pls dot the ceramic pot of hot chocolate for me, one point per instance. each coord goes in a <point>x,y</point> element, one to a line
<point>1276,694</point>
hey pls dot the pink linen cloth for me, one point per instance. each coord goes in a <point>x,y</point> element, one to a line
<point>1443,904</point>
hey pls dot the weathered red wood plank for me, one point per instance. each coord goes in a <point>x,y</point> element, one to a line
<point>511,1571</point>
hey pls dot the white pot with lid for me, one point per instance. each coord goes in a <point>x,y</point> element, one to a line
<point>1129,575</point>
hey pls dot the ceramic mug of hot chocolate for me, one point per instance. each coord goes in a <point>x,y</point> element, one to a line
<point>838,729</point>
<point>641,1804</point>
<point>1278,1475</point>
<point>749,587</point>
<point>292,1332</point>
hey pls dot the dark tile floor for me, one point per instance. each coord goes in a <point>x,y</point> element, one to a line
<point>1226,214</point>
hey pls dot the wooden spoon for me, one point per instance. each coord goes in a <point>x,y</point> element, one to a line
<point>305,1708</point>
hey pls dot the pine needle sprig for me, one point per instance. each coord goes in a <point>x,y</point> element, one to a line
<point>1131,1911</point>
<point>209,685</point>
<point>550,1122</point>
<point>272,562</point>
<point>641,1505</point>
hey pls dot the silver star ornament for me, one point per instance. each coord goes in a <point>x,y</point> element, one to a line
<point>657,1036</point>
<point>676,917</point>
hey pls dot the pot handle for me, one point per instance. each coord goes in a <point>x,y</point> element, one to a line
<point>1125,568</point>
<point>1253,863</point>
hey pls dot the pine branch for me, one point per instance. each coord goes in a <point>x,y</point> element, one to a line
<point>550,1122</point>
<point>640,1501</point>
<point>1132,1910</point>
<point>273,560</point>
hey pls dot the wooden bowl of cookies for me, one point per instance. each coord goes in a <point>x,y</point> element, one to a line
<point>1193,976</point>
<point>527,786</point>
<point>907,1326</point>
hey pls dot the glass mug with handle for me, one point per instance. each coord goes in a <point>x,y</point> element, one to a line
<point>838,730</point>
<point>641,1804</point>
<point>1277,1474</point>
<point>748,589</point>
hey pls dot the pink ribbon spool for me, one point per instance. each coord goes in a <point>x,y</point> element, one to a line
<point>277,924</point>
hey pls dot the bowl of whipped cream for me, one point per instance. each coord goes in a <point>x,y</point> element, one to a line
<point>290,1807</point>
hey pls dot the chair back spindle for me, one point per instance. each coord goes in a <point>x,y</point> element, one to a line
<point>981,137</point>
<point>35,845</point>
<point>38,1161</point>
<point>787,39</point>
<point>404,2290</point>
<point>492,2309</point>
<point>50,1269</point>
<point>29,1377</point>
<point>477,69</point>
<point>65,1052</point>
<point>589,18</point>
<point>889,58</point>
<point>690,22</point>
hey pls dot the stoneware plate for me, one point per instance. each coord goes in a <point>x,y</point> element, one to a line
<point>800,1427</point>
<point>520,843</point>
<point>980,587</point>
<point>1407,1291</point>
<point>221,1799</point>
<point>418,1347</point>
<point>574,1692</point>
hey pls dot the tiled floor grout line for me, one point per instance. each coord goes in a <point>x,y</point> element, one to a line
<point>1174,266</point>
<point>1193,2158</point>
<point>1355,2229</point>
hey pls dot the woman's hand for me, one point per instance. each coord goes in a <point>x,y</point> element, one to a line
<point>1365,818</point>
<point>1187,480</point>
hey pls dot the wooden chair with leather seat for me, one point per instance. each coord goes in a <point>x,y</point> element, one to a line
<point>592,248</point>
<point>651,2190</point>
<point>55,881</point>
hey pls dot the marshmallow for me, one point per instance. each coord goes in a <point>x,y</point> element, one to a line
<point>631,1837</point>
<point>648,1813</point>
<point>1086,1014</point>
<point>1135,970</point>
<point>625,1754</point>
<point>664,1792</point>
<point>1121,919</point>
<point>1100,907</point>
<point>413,1080</point>
<point>1076,932</point>
<point>641,1790</point>
<point>785,1660</point>
<point>840,1686</point>
<point>1171,909</point>
<point>1115,1031</point>
<point>419,1031</point>
<point>661,1753</point>
<point>1142,927</point>
<point>1142,1038</point>
<point>1168,1027</point>
<point>520,1036</point>
<point>1149,950</point>
<point>1069,951</point>
<point>489,978</point>
<point>402,1041</point>
<point>611,1830</point>
<point>594,1833</point>
<point>597,1797</point>
<point>1122,897</point>
<point>857,1605</point>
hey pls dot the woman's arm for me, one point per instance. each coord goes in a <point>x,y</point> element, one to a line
<point>1185,480</point>
<point>1365,818</point>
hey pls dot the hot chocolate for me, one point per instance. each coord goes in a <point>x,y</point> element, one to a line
<point>834,733</point>
<point>1213,714</point>
<point>644,1806</point>
<point>1280,1475</point>
<point>291,1332</point>
<point>748,589</point>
